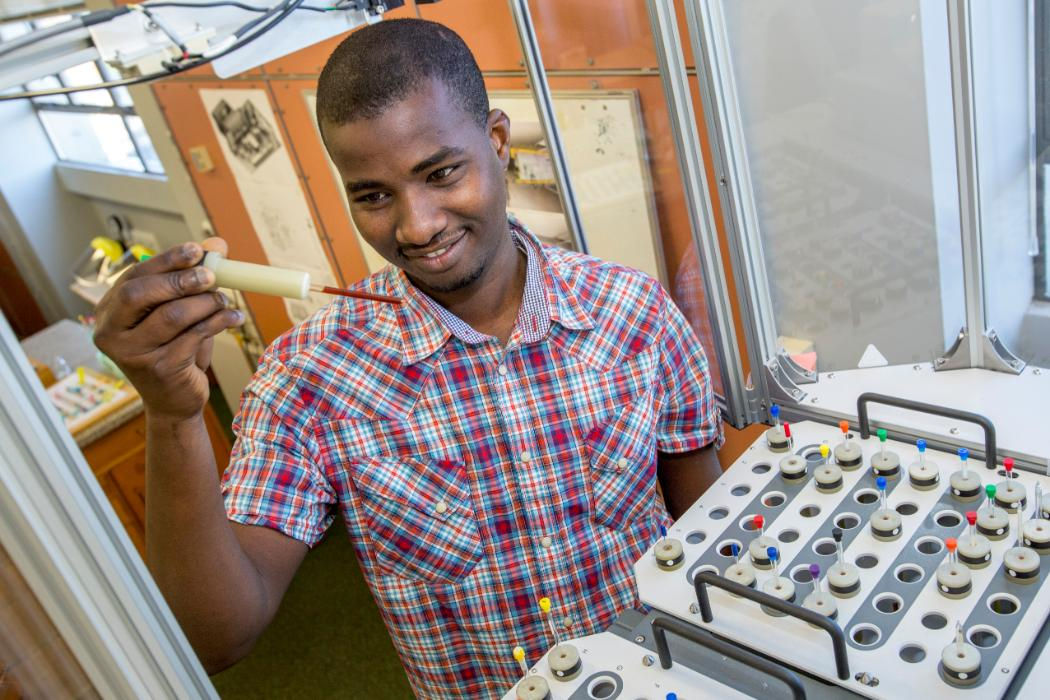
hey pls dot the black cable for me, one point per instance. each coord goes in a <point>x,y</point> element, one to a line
<point>289,6</point>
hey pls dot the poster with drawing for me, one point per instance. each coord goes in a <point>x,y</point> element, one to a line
<point>246,129</point>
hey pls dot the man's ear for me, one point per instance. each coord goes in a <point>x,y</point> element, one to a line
<point>498,124</point>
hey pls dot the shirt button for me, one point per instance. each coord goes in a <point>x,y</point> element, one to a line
<point>525,456</point>
<point>502,369</point>
<point>441,507</point>
<point>546,541</point>
<point>622,462</point>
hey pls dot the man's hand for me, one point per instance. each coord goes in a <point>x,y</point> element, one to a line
<point>684,477</point>
<point>157,324</point>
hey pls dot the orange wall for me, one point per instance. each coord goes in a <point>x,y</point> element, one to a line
<point>604,49</point>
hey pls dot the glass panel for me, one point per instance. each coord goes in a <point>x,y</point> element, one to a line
<point>1013,153</point>
<point>142,140</point>
<point>51,21</point>
<point>46,83</point>
<point>35,661</point>
<point>13,29</point>
<point>86,74</point>
<point>846,112</point>
<point>620,153</point>
<point>100,139</point>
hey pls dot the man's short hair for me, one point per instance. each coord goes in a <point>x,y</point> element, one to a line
<point>385,62</point>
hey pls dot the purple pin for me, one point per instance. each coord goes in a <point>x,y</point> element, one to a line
<point>814,575</point>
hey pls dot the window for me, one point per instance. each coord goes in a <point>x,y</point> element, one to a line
<point>97,127</point>
<point>1042,147</point>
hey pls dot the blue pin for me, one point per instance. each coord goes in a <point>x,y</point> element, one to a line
<point>771,552</point>
<point>964,454</point>
<point>921,444</point>
<point>672,696</point>
<point>881,484</point>
<point>735,549</point>
<point>663,531</point>
<point>774,411</point>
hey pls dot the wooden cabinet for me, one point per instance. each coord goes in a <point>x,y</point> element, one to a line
<point>118,460</point>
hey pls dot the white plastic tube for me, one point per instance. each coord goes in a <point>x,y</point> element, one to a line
<point>249,277</point>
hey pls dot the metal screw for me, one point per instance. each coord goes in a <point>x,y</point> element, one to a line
<point>639,639</point>
<point>941,360</point>
<point>694,608</point>
<point>1004,669</point>
<point>813,400</point>
<point>953,431</point>
<point>648,660</point>
<point>916,367</point>
<point>620,667</point>
<point>1036,371</point>
<point>831,375</point>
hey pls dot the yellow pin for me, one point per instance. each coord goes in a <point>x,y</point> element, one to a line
<point>824,451</point>
<point>519,654</point>
<point>545,604</point>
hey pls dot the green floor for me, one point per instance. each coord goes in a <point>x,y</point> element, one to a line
<point>327,640</point>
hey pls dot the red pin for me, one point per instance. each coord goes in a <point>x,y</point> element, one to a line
<point>951,544</point>
<point>759,523</point>
<point>787,430</point>
<point>971,517</point>
<point>1008,465</point>
<point>844,426</point>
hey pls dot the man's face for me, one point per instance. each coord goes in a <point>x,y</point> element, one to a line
<point>426,186</point>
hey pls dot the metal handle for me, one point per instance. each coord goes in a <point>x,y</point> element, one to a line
<point>865,426</point>
<point>662,625</point>
<point>838,639</point>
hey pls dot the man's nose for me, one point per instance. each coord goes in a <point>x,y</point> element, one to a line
<point>419,220</point>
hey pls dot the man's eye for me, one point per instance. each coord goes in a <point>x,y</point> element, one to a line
<point>443,173</point>
<point>373,198</point>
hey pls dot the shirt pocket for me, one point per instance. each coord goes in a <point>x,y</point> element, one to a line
<point>622,460</point>
<point>419,518</point>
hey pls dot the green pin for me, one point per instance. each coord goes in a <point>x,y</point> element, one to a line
<point>990,490</point>
<point>881,432</point>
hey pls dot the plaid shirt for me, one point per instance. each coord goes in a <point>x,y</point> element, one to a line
<point>475,478</point>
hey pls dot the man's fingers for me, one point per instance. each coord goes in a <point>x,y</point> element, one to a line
<point>191,340</point>
<point>168,320</point>
<point>134,300</point>
<point>178,258</point>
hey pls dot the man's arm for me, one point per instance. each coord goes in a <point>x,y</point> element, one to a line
<point>222,581</point>
<point>685,476</point>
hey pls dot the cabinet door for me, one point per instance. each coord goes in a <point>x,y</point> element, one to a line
<point>136,528</point>
<point>129,476</point>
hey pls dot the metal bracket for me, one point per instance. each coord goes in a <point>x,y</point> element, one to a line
<point>798,373</point>
<point>781,383</point>
<point>997,356</point>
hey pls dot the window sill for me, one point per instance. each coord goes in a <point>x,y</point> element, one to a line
<point>146,190</point>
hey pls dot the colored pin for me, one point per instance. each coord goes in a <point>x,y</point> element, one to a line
<point>519,656</point>
<point>663,533</point>
<point>881,432</point>
<point>824,452</point>
<point>836,534</point>
<point>545,608</point>
<point>1008,465</point>
<point>735,549</point>
<point>844,427</point>
<point>971,517</point>
<point>1038,512</point>
<point>921,444</point>
<point>951,544</point>
<point>787,430</point>
<point>814,576</point>
<point>774,411</point>
<point>880,483</point>
<point>989,490</point>
<point>774,557</point>
<point>760,524</point>
<point>963,456</point>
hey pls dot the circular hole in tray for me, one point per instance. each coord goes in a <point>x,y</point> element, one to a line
<point>867,561</point>
<point>983,636</point>
<point>740,490</point>
<point>748,522</point>
<point>696,537</point>
<point>1003,604</point>
<point>718,513</point>
<point>697,569</point>
<point>789,535</point>
<point>810,511</point>
<point>888,603</point>
<point>847,521</point>
<point>912,653</point>
<point>773,499</point>
<point>601,687</point>
<point>866,496</point>
<point>906,508</point>
<point>948,518</point>
<point>929,545</point>
<point>909,573</point>
<point>824,547</point>
<point>760,468</point>
<point>934,621</point>
<point>725,547</point>
<point>800,574</point>
<point>865,635</point>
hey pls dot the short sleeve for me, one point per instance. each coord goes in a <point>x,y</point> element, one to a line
<point>272,479</point>
<point>689,417</point>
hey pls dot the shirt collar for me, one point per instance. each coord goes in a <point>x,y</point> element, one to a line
<point>426,326</point>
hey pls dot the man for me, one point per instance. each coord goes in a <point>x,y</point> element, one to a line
<point>497,438</point>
